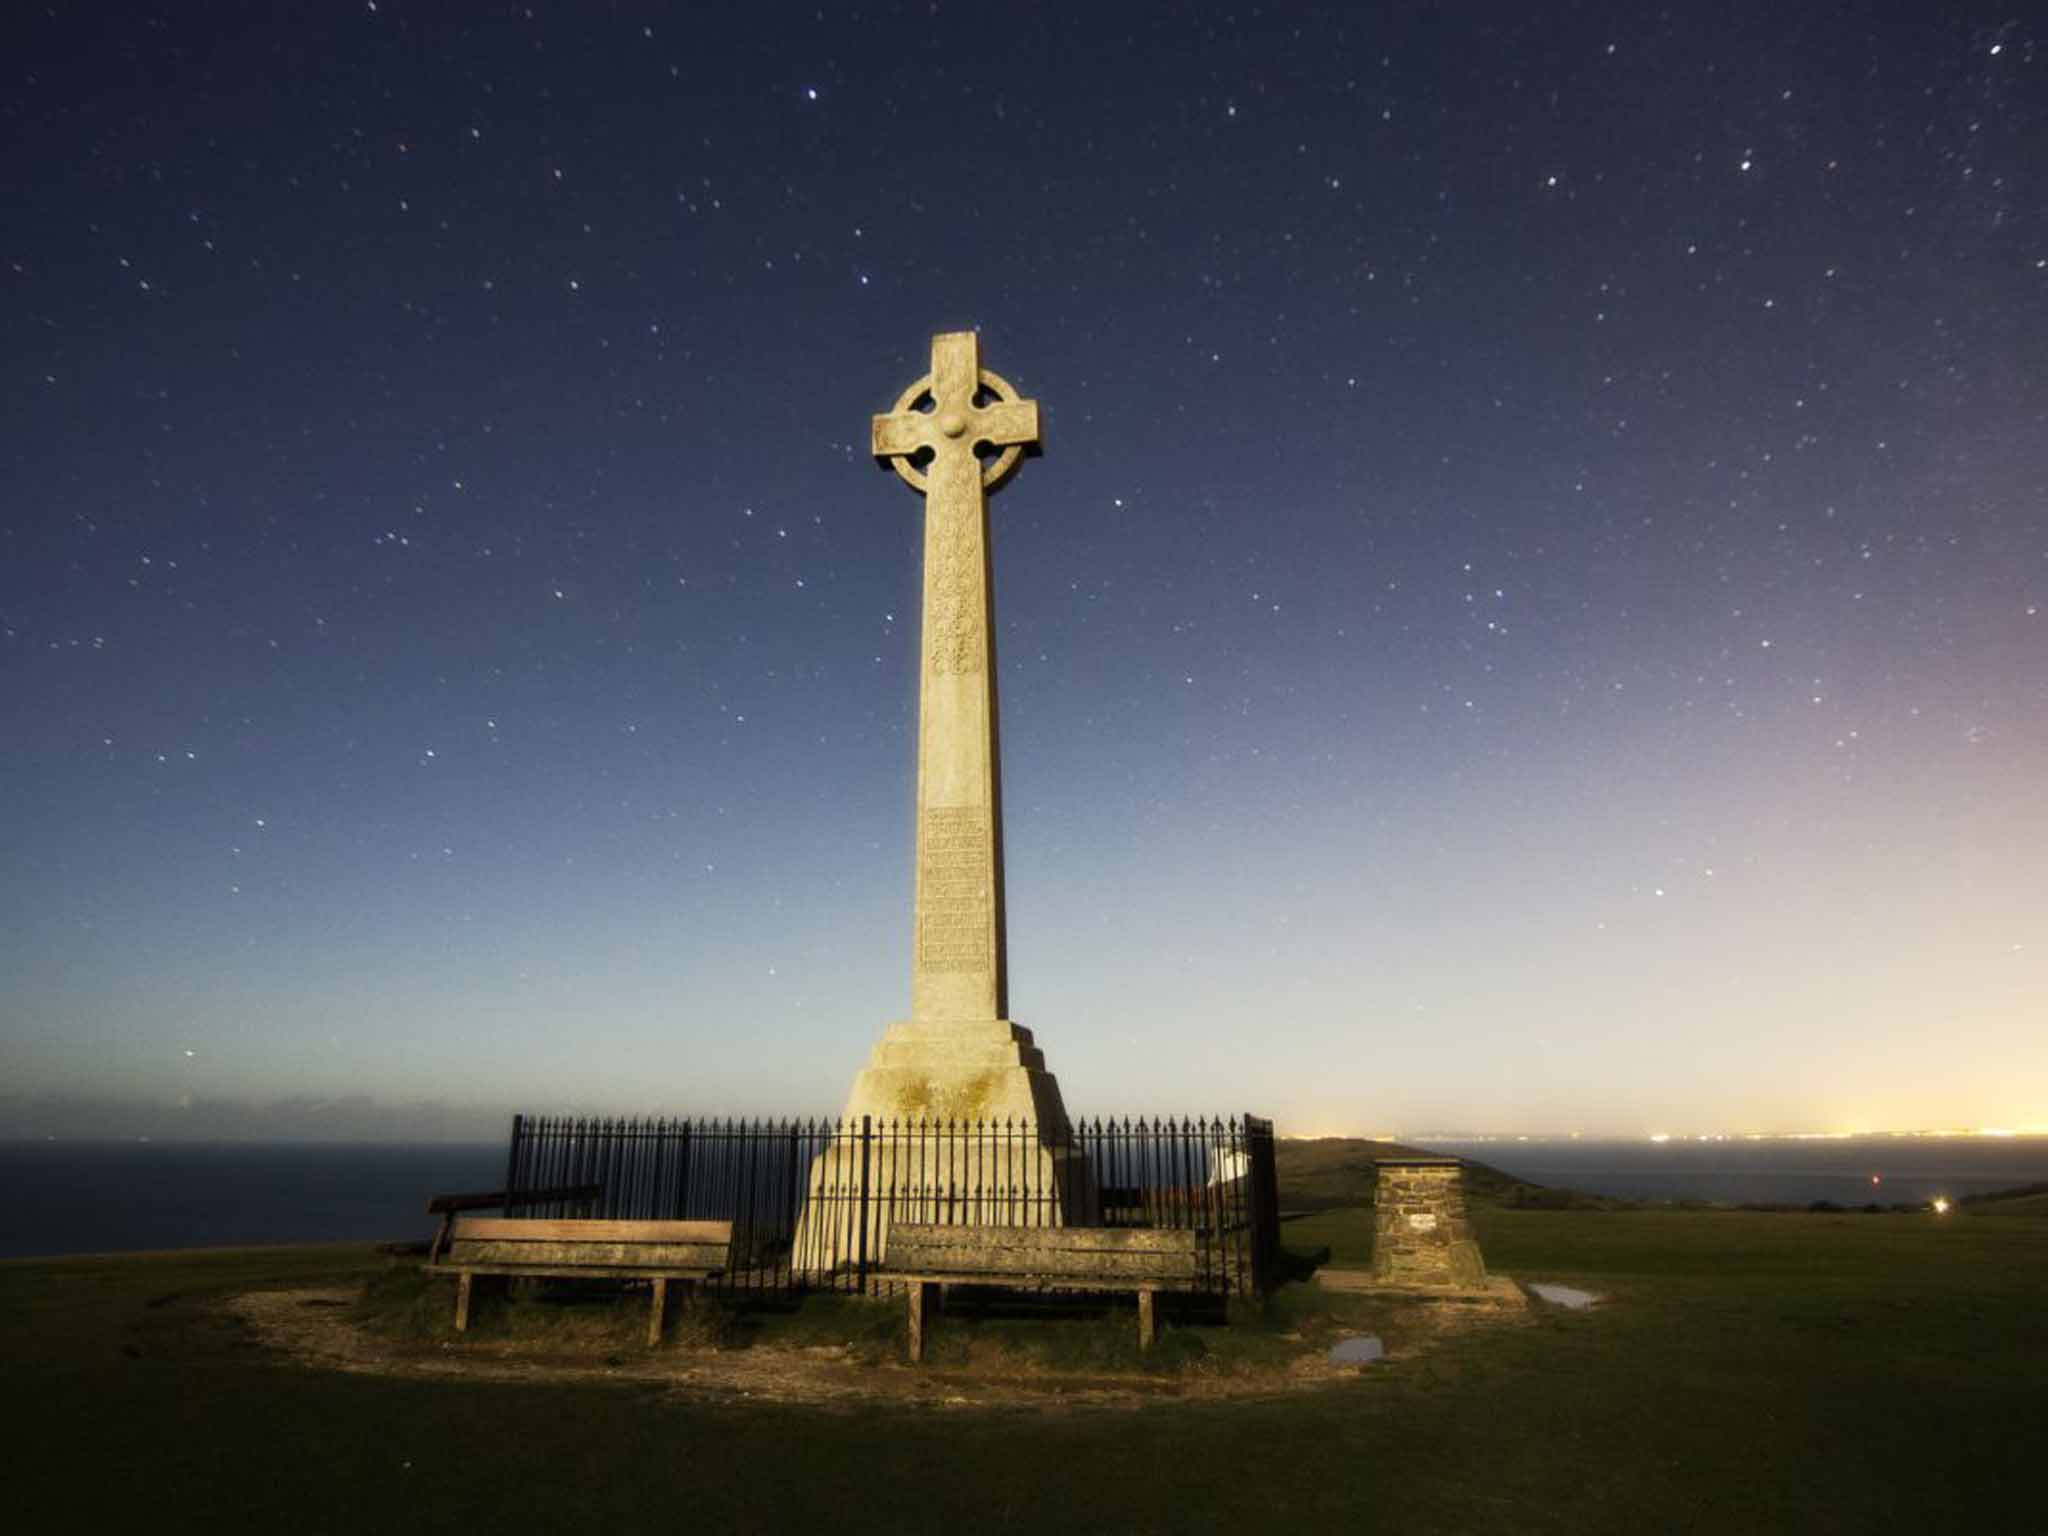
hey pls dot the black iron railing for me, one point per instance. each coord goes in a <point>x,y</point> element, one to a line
<point>812,1201</point>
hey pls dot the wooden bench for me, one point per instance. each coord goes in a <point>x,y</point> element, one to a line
<point>659,1251</point>
<point>1141,1259</point>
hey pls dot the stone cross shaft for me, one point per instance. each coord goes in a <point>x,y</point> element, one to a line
<point>935,438</point>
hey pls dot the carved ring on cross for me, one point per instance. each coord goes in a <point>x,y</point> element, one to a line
<point>993,471</point>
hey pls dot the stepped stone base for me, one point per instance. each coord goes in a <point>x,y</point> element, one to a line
<point>928,1085</point>
<point>958,1069</point>
<point>921,1175</point>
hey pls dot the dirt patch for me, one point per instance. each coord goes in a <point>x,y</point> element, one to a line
<point>318,1327</point>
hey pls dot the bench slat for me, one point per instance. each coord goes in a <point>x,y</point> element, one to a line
<point>1048,1239</point>
<point>581,1271</point>
<point>1111,1283</point>
<point>982,1261</point>
<point>467,1251</point>
<point>515,1229</point>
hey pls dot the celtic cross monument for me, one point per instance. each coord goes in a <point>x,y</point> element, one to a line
<point>937,1081</point>
<point>955,435</point>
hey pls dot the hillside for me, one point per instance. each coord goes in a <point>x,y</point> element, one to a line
<point>1330,1171</point>
<point>2025,1200</point>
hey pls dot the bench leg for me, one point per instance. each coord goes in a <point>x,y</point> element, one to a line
<point>462,1284</point>
<point>1145,1320</point>
<point>917,1305</point>
<point>656,1311</point>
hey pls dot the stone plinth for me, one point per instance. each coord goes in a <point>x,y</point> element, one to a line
<point>985,1074</point>
<point>958,1069</point>
<point>945,1173</point>
<point>1420,1234</point>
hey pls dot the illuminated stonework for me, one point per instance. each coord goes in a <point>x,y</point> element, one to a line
<point>1420,1233</point>
<point>955,434</point>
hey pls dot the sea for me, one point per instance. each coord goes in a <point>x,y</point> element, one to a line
<point>129,1196</point>
<point>64,1197</point>
<point>1777,1170</point>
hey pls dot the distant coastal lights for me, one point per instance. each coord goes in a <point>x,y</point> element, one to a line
<point>1997,1131</point>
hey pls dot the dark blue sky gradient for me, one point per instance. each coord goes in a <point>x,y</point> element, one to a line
<point>1530,616</point>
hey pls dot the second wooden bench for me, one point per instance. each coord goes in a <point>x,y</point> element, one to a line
<point>658,1251</point>
<point>1141,1259</point>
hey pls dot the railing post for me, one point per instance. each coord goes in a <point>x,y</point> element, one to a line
<point>866,1141</point>
<point>512,1160</point>
<point>1262,1187</point>
<point>750,1163</point>
<point>790,1207</point>
<point>683,1173</point>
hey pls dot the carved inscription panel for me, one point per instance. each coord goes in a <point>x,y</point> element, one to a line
<point>955,922</point>
<point>952,616</point>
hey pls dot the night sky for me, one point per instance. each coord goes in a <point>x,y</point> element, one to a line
<point>1533,615</point>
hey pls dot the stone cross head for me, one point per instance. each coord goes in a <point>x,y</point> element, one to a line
<point>951,414</point>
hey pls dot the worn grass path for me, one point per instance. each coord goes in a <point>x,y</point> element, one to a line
<point>1750,1373</point>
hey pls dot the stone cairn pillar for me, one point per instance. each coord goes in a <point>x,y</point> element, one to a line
<point>1420,1234</point>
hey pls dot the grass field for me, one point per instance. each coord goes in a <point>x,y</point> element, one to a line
<point>1748,1373</point>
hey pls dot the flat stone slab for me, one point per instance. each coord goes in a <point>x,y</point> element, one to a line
<point>1563,1295</point>
<point>1359,1349</point>
<point>1497,1290</point>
